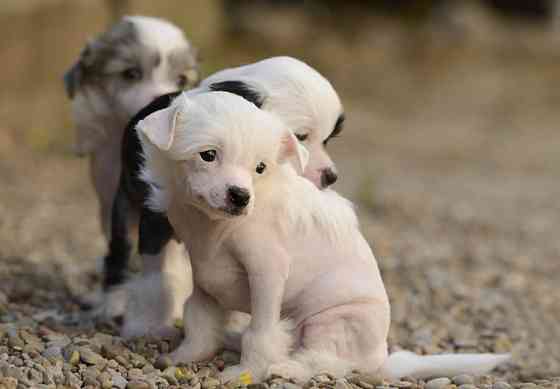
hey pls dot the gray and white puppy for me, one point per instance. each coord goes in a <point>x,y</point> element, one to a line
<point>118,73</point>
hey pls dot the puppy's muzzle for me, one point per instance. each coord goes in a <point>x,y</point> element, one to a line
<point>328,177</point>
<point>238,198</point>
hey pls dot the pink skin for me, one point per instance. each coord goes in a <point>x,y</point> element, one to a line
<point>319,163</point>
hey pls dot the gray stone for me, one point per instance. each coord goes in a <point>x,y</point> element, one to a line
<point>118,380</point>
<point>52,352</point>
<point>501,385</point>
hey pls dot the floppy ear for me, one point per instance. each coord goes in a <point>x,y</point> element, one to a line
<point>75,75</point>
<point>72,79</point>
<point>291,149</point>
<point>159,127</point>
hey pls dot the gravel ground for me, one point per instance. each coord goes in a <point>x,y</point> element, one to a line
<point>452,161</point>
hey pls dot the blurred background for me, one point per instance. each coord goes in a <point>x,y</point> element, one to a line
<point>450,151</point>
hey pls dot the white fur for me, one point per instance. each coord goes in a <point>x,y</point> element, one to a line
<point>157,298</point>
<point>297,254</point>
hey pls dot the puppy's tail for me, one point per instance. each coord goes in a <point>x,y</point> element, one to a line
<point>407,364</point>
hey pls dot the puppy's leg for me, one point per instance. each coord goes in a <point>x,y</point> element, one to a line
<point>154,234</point>
<point>236,324</point>
<point>110,303</point>
<point>266,340</point>
<point>105,170</point>
<point>204,323</point>
<point>338,340</point>
<point>116,260</point>
<point>155,300</point>
<point>167,270</point>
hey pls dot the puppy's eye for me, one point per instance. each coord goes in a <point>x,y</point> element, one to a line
<point>132,74</point>
<point>260,168</point>
<point>302,137</point>
<point>182,81</point>
<point>208,155</point>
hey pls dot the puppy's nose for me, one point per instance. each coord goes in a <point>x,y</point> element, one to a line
<point>328,177</point>
<point>238,197</point>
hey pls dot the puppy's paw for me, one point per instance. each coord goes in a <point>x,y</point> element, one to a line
<point>105,306</point>
<point>290,369</point>
<point>115,302</point>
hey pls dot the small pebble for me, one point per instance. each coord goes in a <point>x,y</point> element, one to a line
<point>210,382</point>
<point>501,385</point>
<point>163,363</point>
<point>438,383</point>
<point>462,379</point>
<point>138,385</point>
<point>341,384</point>
<point>74,358</point>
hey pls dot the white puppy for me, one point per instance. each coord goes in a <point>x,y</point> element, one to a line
<point>282,85</point>
<point>265,241</point>
<point>301,96</point>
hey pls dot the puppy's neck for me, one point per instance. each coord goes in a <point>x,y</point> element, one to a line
<point>201,235</point>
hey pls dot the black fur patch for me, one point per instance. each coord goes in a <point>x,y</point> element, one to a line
<point>241,89</point>
<point>155,232</point>
<point>337,129</point>
<point>116,260</point>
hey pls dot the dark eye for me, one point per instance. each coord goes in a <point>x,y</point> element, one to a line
<point>260,167</point>
<point>302,137</point>
<point>182,81</point>
<point>208,155</point>
<point>132,74</point>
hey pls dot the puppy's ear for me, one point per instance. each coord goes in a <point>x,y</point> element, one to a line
<point>72,79</point>
<point>74,76</point>
<point>159,127</point>
<point>240,88</point>
<point>291,149</point>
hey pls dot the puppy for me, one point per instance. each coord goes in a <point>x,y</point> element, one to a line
<point>301,96</point>
<point>265,241</point>
<point>282,85</point>
<point>119,72</point>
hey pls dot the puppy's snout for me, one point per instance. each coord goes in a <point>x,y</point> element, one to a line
<point>238,197</point>
<point>328,177</point>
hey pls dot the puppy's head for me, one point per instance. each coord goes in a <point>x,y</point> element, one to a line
<point>298,94</point>
<point>136,60</point>
<point>211,150</point>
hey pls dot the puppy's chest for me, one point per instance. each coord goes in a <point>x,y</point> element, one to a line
<point>223,278</point>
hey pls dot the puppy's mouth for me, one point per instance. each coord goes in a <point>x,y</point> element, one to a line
<point>233,211</point>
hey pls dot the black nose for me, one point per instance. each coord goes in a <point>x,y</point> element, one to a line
<point>328,177</point>
<point>239,197</point>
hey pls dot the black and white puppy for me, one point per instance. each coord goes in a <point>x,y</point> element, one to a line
<point>287,87</point>
<point>118,73</point>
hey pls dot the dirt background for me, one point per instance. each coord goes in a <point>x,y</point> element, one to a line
<point>451,153</point>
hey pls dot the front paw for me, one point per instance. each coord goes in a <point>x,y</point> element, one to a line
<point>241,374</point>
